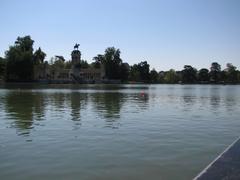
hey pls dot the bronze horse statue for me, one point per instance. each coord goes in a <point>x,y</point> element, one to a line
<point>76,46</point>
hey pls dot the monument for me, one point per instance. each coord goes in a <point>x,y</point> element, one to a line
<point>76,55</point>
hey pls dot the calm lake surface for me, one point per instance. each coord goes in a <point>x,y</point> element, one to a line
<point>162,132</point>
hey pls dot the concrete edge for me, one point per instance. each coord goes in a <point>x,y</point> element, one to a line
<point>216,159</point>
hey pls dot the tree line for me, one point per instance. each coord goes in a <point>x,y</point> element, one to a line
<point>21,59</point>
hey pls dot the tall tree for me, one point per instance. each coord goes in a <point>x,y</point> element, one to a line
<point>134,74</point>
<point>154,76</point>
<point>231,73</point>
<point>98,60</point>
<point>203,75</point>
<point>20,59</point>
<point>57,63</point>
<point>140,72</point>
<point>161,76</point>
<point>124,71</point>
<point>24,44</point>
<point>215,72</point>
<point>189,74</point>
<point>2,68</point>
<point>111,61</point>
<point>39,56</point>
<point>238,76</point>
<point>171,77</point>
<point>143,68</point>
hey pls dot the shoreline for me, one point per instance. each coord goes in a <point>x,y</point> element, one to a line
<point>110,82</point>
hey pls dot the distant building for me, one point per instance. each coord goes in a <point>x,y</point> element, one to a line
<point>75,74</point>
<point>92,74</point>
<point>41,71</point>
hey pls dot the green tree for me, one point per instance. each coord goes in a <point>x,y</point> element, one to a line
<point>189,74</point>
<point>231,74</point>
<point>143,68</point>
<point>57,63</point>
<point>68,64</point>
<point>203,75</point>
<point>134,74</point>
<point>111,61</point>
<point>154,76</point>
<point>98,60</point>
<point>124,71</point>
<point>84,64</point>
<point>140,72</point>
<point>171,77</point>
<point>39,56</point>
<point>238,76</point>
<point>215,72</point>
<point>24,44</point>
<point>2,68</point>
<point>161,76</point>
<point>20,60</point>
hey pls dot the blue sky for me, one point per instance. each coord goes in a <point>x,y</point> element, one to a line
<point>166,33</point>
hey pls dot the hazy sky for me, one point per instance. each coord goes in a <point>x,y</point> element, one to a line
<point>166,33</point>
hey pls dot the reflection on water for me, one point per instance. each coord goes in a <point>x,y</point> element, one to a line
<point>108,104</point>
<point>215,98</point>
<point>24,108</point>
<point>114,131</point>
<point>77,102</point>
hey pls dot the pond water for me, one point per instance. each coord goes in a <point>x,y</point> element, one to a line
<point>163,132</point>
